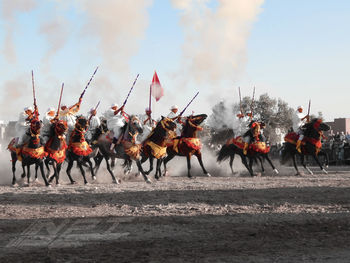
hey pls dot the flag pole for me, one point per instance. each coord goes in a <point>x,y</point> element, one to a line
<point>149,103</point>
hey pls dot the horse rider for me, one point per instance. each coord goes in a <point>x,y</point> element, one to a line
<point>116,119</point>
<point>147,123</point>
<point>47,121</point>
<point>299,120</point>
<point>23,124</point>
<point>252,135</point>
<point>68,114</point>
<point>94,123</point>
<point>178,119</point>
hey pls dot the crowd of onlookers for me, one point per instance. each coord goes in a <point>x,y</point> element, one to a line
<point>338,147</point>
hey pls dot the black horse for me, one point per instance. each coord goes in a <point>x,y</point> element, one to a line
<point>127,150</point>
<point>311,144</point>
<point>231,148</point>
<point>188,143</point>
<point>79,150</point>
<point>30,153</point>
<point>56,148</point>
<point>155,144</point>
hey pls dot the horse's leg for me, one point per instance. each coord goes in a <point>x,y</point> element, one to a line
<point>41,165</point>
<point>170,156</point>
<point>245,163</point>
<point>46,162</point>
<point>232,157</point>
<point>59,166</point>
<point>98,160</point>
<point>302,158</point>
<point>36,171</point>
<point>295,164</point>
<point>91,168</point>
<point>251,160</point>
<point>139,166</point>
<point>110,171</point>
<point>28,173</point>
<point>199,157</point>
<point>69,168</point>
<point>159,163</point>
<point>150,165</point>
<point>188,158</point>
<point>14,160</point>
<point>319,163</point>
<point>82,171</point>
<point>270,162</point>
<point>23,175</point>
<point>112,163</point>
<point>261,164</point>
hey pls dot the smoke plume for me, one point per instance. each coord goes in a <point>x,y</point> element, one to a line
<point>215,38</point>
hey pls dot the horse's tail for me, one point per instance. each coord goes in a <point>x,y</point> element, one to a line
<point>225,152</point>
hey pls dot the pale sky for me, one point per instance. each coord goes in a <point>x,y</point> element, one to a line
<point>295,50</point>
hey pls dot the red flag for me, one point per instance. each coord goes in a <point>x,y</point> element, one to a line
<point>156,89</point>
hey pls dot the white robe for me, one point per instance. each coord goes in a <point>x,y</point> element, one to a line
<point>45,130</point>
<point>114,122</point>
<point>94,124</point>
<point>147,127</point>
<point>297,122</point>
<point>172,115</point>
<point>21,128</point>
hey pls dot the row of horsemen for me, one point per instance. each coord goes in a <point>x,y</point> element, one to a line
<point>252,141</point>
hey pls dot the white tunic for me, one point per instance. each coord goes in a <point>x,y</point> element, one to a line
<point>297,122</point>
<point>94,124</point>
<point>114,122</point>
<point>173,115</point>
<point>21,127</point>
<point>45,130</point>
<point>147,127</point>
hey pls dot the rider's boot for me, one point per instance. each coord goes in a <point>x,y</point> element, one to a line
<point>298,147</point>
<point>245,148</point>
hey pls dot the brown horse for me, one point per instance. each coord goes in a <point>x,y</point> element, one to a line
<point>311,145</point>
<point>56,148</point>
<point>155,144</point>
<point>30,153</point>
<point>187,144</point>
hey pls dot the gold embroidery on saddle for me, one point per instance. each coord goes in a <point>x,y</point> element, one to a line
<point>132,149</point>
<point>80,148</point>
<point>193,143</point>
<point>38,153</point>
<point>157,150</point>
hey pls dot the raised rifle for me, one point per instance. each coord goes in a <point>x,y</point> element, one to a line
<point>308,112</point>
<point>87,85</point>
<point>182,112</point>
<point>59,103</point>
<point>94,110</point>
<point>36,111</point>
<point>126,99</point>
<point>240,101</point>
<point>252,105</point>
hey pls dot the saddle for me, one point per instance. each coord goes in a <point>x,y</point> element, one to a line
<point>293,137</point>
<point>257,147</point>
<point>192,143</point>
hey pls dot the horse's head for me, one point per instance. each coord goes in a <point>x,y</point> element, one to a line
<point>60,127</point>
<point>81,123</point>
<point>197,119</point>
<point>167,124</point>
<point>35,126</point>
<point>319,125</point>
<point>135,124</point>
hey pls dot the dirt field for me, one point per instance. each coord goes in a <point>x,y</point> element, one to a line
<point>232,218</point>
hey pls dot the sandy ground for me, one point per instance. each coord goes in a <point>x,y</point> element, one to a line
<point>226,218</point>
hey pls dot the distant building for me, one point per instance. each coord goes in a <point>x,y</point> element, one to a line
<point>339,125</point>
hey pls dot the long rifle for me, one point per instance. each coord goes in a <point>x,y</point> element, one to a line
<point>94,110</point>
<point>87,85</point>
<point>188,104</point>
<point>308,112</point>
<point>59,102</point>
<point>149,104</point>
<point>36,111</point>
<point>251,105</point>
<point>240,101</point>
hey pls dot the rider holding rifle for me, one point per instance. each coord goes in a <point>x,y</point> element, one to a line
<point>299,120</point>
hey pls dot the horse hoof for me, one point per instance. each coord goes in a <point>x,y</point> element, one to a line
<point>94,178</point>
<point>48,185</point>
<point>276,171</point>
<point>73,182</point>
<point>148,181</point>
<point>208,174</point>
<point>86,183</point>
<point>14,184</point>
<point>36,180</point>
<point>324,171</point>
<point>117,181</point>
<point>58,184</point>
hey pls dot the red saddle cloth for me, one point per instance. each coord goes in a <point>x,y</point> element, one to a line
<point>58,155</point>
<point>292,138</point>
<point>259,147</point>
